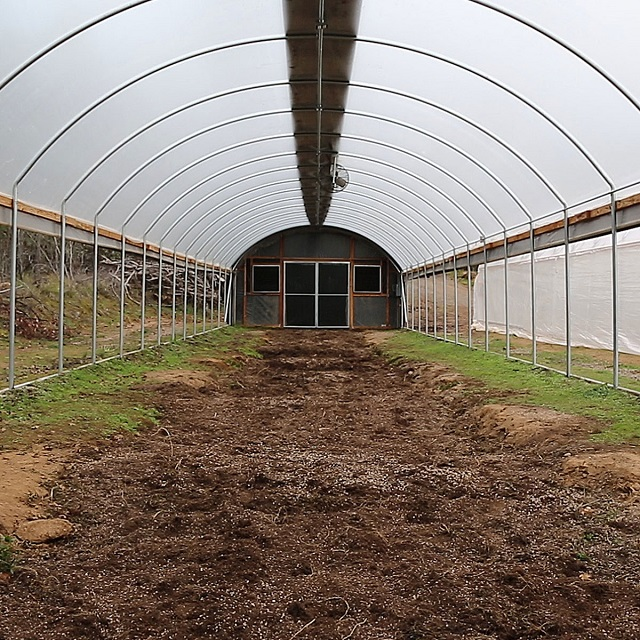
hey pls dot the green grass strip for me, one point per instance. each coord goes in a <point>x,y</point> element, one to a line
<point>105,399</point>
<point>619,412</point>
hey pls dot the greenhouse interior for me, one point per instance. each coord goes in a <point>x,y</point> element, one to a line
<point>175,152</point>
<point>464,172</point>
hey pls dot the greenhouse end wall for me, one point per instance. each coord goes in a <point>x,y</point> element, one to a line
<point>317,278</point>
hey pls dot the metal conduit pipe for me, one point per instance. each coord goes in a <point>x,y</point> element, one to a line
<point>287,168</point>
<point>530,104</point>
<point>254,115</point>
<point>614,223</point>
<point>51,142</point>
<point>98,164</point>
<point>184,169</point>
<point>176,111</point>
<point>566,46</point>
<point>130,217</point>
<point>66,38</point>
<point>374,160</point>
<point>575,143</point>
<point>224,171</point>
<point>504,230</point>
<point>320,29</point>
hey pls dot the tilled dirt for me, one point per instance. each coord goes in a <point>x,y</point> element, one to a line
<point>321,493</point>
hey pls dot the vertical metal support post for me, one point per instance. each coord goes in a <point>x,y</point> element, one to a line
<point>212,296</point>
<point>228,305</point>
<point>160,265</point>
<point>414,301</point>
<point>123,254</point>
<point>61,288</point>
<point>409,311</point>
<point>403,298</point>
<point>143,297</point>
<point>444,298</point>
<point>486,297</point>
<point>184,301</point>
<point>435,300</point>
<point>219,297</point>
<point>567,291</point>
<point>410,301</point>
<point>419,303</point>
<point>94,307</point>
<point>426,302</point>
<point>455,297</point>
<point>615,309</point>
<point>534,341</point>
<point>195,297</point>
<point>13,287</point>
<point>507,327</point>
<point>174,283</point>
<point>204,299</point>
<point>469,301</point>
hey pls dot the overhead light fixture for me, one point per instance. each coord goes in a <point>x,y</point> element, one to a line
<point>339,175</point>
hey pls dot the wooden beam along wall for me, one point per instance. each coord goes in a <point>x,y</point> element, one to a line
<point>582,226</point>
<point>48,223</point>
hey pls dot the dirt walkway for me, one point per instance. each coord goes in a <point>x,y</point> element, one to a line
<point>320,493</point>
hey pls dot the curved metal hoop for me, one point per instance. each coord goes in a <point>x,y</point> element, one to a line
<point>507,89</point>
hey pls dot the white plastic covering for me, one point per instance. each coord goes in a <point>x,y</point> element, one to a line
<point>590,264</point>
<point>171,119</point>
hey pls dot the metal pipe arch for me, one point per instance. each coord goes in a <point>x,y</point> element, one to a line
<point>271,138</point>
<point>504,87</point>
<point>394,247</point>
<point>234,209</point>
<point>294,181</point>
<point>565,45</point>
<point>227,245</point>
<point>129,83</point>
<point>420,242</point>
<point>406,172</point>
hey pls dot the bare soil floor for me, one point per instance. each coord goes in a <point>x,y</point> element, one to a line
<point>321,493</point>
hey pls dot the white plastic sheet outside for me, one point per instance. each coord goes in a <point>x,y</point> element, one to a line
<point>590,268</point>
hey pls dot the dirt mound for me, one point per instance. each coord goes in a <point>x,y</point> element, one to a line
<point>188,378</point>
<point>22,494</point>
<point>526,425</point>
<point>618,469</point>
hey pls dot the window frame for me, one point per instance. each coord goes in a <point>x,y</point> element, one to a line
<point>253,279</point>
<point>368,266</point>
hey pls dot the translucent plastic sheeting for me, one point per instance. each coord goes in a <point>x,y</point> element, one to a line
<point>171,120</point>
<point>591,298</point>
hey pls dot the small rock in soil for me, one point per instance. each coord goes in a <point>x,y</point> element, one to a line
<point>44,530</point>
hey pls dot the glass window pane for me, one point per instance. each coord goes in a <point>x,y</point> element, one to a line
<point>367,278</point>
<point>300,277</point>
<point>333,278</point>
<point>333,311</point>
<point>266,278</point>
<point>300,311</point>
